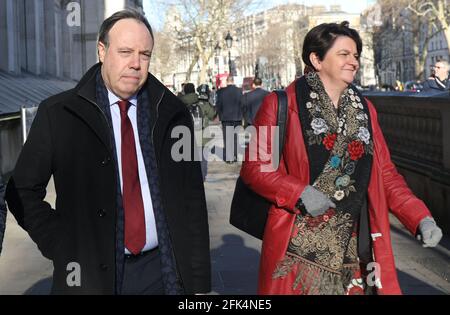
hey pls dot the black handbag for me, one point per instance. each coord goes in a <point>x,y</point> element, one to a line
<point>248,209</point>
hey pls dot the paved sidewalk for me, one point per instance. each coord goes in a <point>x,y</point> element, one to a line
<point>234,254</point>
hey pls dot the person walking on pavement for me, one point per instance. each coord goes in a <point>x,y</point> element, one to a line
<point>192,99</point>
<point>229,109</point>
<point>202,112</point>
<point>207,104</point>
<point>252,100</point>
<point>440,80</point>
<point>328,229</point>
<point>130,217</point>
<point>2,212</point>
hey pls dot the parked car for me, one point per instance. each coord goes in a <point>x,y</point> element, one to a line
<point>413,86</point>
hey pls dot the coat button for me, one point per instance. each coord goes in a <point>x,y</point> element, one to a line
<point>101,213</point>
<point>106,161</point>
<point>103,267</point>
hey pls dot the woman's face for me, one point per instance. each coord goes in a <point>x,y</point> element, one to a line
<point>340,64</point>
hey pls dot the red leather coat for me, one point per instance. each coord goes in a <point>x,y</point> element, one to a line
<point>387,190</point>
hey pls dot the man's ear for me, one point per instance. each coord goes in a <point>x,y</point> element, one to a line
<point>101,49</point>
<point>315,61</point>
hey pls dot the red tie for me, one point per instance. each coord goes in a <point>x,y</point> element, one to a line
<point>132,196</point>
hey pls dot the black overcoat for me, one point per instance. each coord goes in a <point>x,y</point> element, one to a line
<point>70,139</point>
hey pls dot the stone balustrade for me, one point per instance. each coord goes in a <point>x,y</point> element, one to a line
<point>417,130</point>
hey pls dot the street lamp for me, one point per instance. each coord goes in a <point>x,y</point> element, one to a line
<point>229,41</point>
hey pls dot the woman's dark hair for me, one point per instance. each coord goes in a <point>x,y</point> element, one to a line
<point>322,37</point>
<point>108,24</point>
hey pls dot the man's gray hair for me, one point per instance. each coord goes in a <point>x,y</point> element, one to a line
<point>108,24</point>
<point>445,62</point>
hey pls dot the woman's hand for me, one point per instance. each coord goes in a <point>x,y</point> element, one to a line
<point>430,233</point>
<point>316,202</point>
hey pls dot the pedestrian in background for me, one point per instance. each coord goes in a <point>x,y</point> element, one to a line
<point>252,100</point>
<point>205,102</point>
<point>329,223</point>
<point>192,99</point>
<point>229,109</point>
<point>440,79</point>
<point>202,112</point>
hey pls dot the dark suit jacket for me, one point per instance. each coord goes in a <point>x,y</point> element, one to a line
<point>228,103</point>
<point>71,140</point>
<point>251,102</point>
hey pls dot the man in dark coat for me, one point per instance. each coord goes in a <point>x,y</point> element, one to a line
<point>229,109</point>
<point>2,212</point>
<point>440,81</point>
<point>251,101</point>
<point>129,217</point>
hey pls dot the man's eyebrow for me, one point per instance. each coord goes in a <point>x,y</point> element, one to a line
<point>346,50</point>
<point>148,51</point>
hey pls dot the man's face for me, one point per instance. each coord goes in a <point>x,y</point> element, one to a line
<point>127,58</point>
<point>441,70</point>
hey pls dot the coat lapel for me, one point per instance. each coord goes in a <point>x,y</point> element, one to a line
<point>163,109</point>
<point>87,109</point>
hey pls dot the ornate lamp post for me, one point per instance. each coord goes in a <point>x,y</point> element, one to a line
<point>229,41</point>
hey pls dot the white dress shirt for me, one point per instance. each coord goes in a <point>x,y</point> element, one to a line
<point>150,224</point>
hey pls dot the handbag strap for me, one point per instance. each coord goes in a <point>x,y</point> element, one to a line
<point>282,118</point>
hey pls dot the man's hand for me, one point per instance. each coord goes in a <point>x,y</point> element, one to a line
<point>315,201</point>
<point>430,233</point>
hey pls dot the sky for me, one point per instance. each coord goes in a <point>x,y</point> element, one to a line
<point>155,9</point>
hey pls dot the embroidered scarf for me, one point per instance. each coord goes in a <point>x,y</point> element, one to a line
<point>323,251</point>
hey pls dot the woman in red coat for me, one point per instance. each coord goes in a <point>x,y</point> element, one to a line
<point>328,229</point>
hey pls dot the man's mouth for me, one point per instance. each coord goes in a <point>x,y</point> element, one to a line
<point>130,77</point>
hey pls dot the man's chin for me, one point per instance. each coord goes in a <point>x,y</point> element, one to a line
<point>130,91</point>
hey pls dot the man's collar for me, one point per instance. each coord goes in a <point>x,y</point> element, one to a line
<point>439,82</point>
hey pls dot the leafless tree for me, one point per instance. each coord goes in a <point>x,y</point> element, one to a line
<point>163,61</point>
<point>204,23</point>
<point>435,12</point>
<point>415,22</point>
<point>282,44</point>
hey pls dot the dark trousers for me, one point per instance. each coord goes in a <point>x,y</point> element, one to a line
<point>230,144</point>
<point>142,275</point>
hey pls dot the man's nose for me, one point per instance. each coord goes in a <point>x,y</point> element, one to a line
<point>135,61</point>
